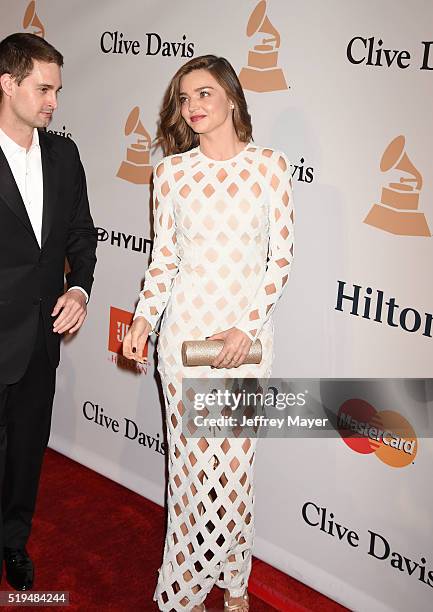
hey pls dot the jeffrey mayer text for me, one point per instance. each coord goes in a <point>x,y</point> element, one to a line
<point>258,421</point>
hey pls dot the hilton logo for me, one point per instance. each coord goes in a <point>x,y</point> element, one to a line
<point>373,306</point>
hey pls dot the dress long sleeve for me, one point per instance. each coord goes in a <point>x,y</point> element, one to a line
<point>234,241</point>
<point>280,247</point>
<point>158,278</point>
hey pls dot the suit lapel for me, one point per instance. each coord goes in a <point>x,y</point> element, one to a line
<point>10,193</point>
<point>50,178</point>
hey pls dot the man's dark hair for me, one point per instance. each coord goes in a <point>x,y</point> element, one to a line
<point>18,51</point>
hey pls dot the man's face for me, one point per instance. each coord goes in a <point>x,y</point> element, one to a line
<point>34,100</point>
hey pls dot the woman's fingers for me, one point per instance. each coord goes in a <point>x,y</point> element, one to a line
<point>135,340</point>
<point>238,358</point>
<point>141,342</point>
<point>232,354</point>
<point>127,346</point>
<point>240,355</point>
<point>235,348</point>
<point>219,336</point>
<point>224,356</point>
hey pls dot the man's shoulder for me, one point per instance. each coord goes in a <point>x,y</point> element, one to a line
<point>59,143</point>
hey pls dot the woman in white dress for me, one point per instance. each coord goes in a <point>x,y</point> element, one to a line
<point>223,247</point>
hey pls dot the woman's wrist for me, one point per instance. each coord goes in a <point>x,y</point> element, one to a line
<point>146,322</point>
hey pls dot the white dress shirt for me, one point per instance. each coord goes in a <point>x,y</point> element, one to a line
<point>26,167</point>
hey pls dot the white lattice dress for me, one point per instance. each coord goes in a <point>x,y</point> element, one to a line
<point>221,257</point>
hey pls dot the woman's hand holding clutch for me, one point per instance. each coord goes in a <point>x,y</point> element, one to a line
<point>135,340</point>
<point>235,349</point>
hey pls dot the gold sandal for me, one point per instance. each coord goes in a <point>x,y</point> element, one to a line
<point>243,606</point>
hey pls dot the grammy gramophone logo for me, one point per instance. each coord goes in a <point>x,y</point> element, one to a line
<point>31,21</point>
<point>136,167</point>
<point>262,72</point>
<point>397,211</point>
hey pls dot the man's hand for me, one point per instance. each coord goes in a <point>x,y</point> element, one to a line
<point>72,305</point>
<point>135,340</point>
<point>235,349</point>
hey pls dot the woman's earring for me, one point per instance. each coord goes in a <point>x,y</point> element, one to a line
<point>232,106</point>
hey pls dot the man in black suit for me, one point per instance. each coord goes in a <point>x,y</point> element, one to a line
<point>44,218</point>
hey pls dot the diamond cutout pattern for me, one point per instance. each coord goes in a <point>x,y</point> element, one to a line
<point>222,254</point>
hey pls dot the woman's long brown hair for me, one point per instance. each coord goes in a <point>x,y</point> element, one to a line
<point>174,134</point>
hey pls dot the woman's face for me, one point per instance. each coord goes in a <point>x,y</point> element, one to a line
<point>204,103</point>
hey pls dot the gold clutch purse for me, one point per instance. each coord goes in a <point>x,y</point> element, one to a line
<point>203,352</point>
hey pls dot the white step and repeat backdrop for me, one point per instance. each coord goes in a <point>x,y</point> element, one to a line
<point>345,89</point>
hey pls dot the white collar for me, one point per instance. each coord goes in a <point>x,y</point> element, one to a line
<point>10,147</point>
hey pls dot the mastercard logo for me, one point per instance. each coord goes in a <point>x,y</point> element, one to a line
<point>387,434</point>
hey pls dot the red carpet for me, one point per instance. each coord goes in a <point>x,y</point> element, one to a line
<point>103,544</point>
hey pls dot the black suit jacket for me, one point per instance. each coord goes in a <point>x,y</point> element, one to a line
<point>32,277</point>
